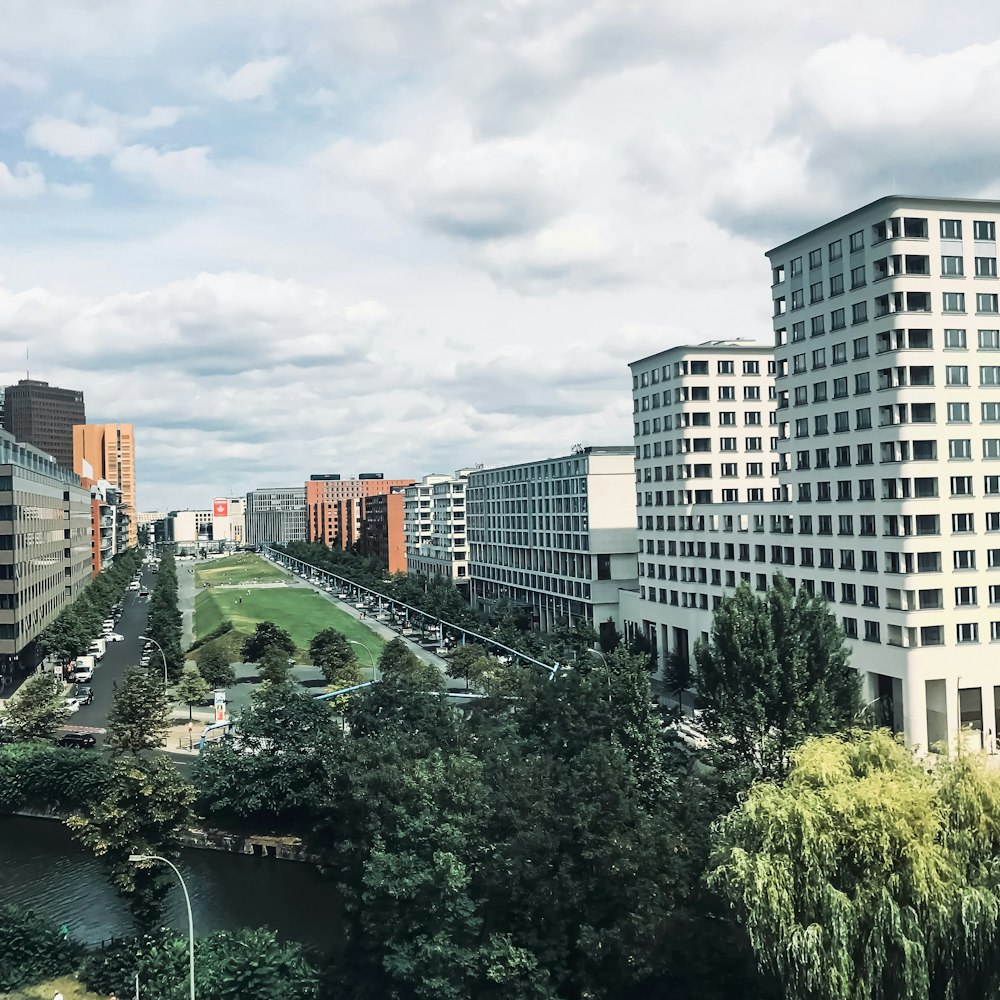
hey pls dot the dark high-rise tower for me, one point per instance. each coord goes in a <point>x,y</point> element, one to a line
<point>43,415</point>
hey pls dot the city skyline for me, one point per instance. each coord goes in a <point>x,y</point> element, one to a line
<point>272,240</point>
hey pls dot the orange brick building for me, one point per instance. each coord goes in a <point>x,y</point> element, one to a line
<point>107,451</point>
<point>383,535</point>
<point>336,508</point>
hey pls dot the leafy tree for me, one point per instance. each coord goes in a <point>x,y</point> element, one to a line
<point>142,807</point>
<point>139,718</point>
<point>274,775</point>
<point>775,671</point>
<point>677,674</point>
<point>334,655</point>
<point>398,662</point>
<point>215,666</point>
<point>466,661</point>
<point>611,638</point>
<point>404,709</point>
<point>191,689</point>
<point>274,665</point>
<point>37,709</point>
<point>32,950</point>
<point>266,636</point>
<point>229,965</point>
<point>867,876</point>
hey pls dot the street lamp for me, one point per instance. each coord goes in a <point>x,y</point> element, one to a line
<point>145,638</point>
<point>354,642</point>
<point>135,859</point>
<point>607,669</point>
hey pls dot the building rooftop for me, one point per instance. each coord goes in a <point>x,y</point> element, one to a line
<point>709,347</point>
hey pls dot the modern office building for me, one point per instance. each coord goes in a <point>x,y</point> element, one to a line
<point>110,523</point>
<point>45,554</point>
<point>107,451</point>
<point>228,522</point>
<point>44,415</point>
<point>555,537</point>
<point>276,515</point>
<point>383,536</point>
<point>189,530</point>
<point>887,444</point>
<point>335,507</point>
<point>435,527</point>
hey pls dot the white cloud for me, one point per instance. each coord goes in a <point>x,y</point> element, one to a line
<point>20,79</point>
<point>251,81</point>
<point>25,181</point>
<point>187,171</point>
<point>70,139</point>
<point>367,312</point>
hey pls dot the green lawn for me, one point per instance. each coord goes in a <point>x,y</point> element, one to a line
<point>242,568</point>
<point>301,611</point>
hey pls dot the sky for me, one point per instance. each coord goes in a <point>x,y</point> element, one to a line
<point>410,236</point>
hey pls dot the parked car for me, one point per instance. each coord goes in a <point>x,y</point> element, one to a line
<point>72,704</point>
<point>83,741</point>
<point>82,675</point>
<point>115,637</point>
<point>83,694</point>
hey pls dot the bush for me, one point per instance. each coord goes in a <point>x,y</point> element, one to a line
<point>229,965</point>
<point>32,950</point>
<point>217,633</point>
<point>48,777</point>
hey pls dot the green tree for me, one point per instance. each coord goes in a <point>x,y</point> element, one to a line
<point>398,662</point>
<point>191,689</point>
<point>266,636</point>
<point>677,674</point>
<point>139,718</point>
<point>775,670</point>
<point>215,666</point>
<point>274,665</point>
<point>866,876</point>
<point>611,638</point>
<point>467,661</point>
<point>37,709</point>
<point>32,950</point>
<point>141,808</point>
<point>333,654</point>
<point>274,775</point>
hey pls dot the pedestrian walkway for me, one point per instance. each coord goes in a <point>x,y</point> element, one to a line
<point>185,602</point>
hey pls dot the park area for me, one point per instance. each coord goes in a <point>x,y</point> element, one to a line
<point>247,590</point>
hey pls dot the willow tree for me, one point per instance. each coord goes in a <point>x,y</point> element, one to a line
<point>775,671</point>
<point>864,877</point>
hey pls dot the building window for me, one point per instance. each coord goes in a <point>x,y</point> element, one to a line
<point>986,303</point>
<point>958,413</point>
<point>954,340</point>
<point>967,632</point>
<point>872,632</point>
<point>985,231</point>
<point>860,348</point>
<point>816,292</point>
<point>858,277</point>
<point>952,266</point>
<point>989,375</point>
<point>951,229</point>
<point>964,558</point>
<point>815,259</point>
<point>857,241</point>
<point>953,302</point>
<point>989,340</point>
<point>816,326</point>
<point>859,312</point>
<point>961,486</point>
<point>836,285</point>
<point>986,267</point>
<point>838,319</point>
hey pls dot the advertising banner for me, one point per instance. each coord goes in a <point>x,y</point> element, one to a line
<point>220,705</point>
<point>220,508</point>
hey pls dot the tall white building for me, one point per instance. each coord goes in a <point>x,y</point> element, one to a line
<point>556,537</point>
<point>276,516</point>
<point>887,501</point>
<point>435,527</point>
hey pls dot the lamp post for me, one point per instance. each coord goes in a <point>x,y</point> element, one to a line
<point>137,858</point>
<point>607,669</point>
<point>166,682</point>
<point>354,642</point>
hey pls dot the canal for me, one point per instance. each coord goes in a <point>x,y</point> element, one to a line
<point>42,868</point>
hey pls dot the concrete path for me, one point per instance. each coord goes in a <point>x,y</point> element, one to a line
<point>185,601</point>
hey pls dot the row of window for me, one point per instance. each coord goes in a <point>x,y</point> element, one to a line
<point>987,303</point>
<point>680,369</point>
<point>907,227</point>
<point>699,394</point>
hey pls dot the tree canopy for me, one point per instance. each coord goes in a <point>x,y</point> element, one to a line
<point>139,718</point>
<point>267,636</point>
<point>774,671</point>
<point>37,708</point>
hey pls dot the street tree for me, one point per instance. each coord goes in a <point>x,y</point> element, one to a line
<point>398,662</point>
<point>274,665</point>
<point>464,661</point>
<point>267,635</point>
<point>215,666</point>
<point>865,875</point>
<point>37,708</point>
<point>774,671</point>
<point>334,655</point>
<point>142,807</point>
<point>191,689</point>
<point>139,718</point>
<point>677,674</point>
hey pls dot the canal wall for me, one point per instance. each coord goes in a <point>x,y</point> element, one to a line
<point>281,848</point>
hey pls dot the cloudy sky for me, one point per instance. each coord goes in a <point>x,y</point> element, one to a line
<point>411,235</point>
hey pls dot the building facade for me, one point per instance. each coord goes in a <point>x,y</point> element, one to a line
<point>383,536</point>
<point>435,528</point>
<point>189,530</point>
<point>335,507</point>
<point>276,515</point>
<point>107,451</point>
<point>555,537</point>
<point>228,522</point>
<point>44,415</point>
<point>887,458</point>
<point>110,523</point>
<point>45,549</point>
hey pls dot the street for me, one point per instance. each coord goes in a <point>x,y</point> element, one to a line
<point>119,655</point>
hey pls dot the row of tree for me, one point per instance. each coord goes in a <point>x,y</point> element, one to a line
<point>79,622</point>
<point>164,624</point>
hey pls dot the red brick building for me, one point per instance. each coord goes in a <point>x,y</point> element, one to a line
<point>336,508</point>
<point>383,535</point>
